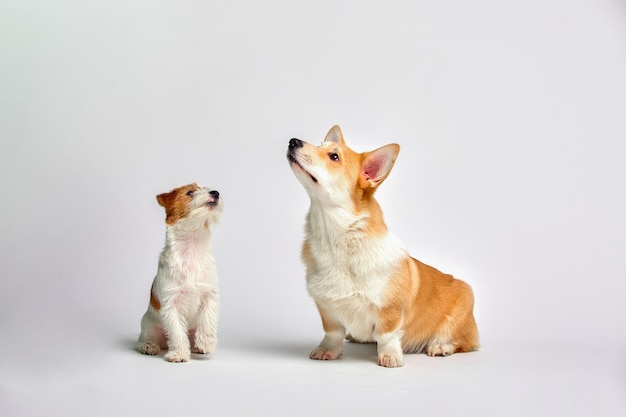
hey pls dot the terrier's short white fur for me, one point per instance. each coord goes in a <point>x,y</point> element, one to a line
<point>183,311</point>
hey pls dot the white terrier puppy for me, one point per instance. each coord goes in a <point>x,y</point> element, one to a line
<point>184,299</point>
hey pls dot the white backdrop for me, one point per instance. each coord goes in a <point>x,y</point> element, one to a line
<point>511,117</point>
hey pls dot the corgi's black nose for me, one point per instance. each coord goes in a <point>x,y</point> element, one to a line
<point>214,193</point>
<point>295,143</point>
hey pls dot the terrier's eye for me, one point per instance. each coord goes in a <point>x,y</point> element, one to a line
<point>190,193</point>
<point>333,156</point>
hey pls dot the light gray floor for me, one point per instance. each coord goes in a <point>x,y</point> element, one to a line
<point>275,378</point>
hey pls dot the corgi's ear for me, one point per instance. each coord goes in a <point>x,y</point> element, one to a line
<point>377,165</point>
<point>334,135</point>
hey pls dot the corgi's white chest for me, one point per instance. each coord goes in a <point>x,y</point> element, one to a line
<point>339,275</point>
<point>350,276</point>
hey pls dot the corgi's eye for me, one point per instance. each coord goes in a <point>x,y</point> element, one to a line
<point>333,156</point>
<point>190,193</point>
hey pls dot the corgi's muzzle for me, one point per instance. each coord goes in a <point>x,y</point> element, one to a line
<point>294,158</point>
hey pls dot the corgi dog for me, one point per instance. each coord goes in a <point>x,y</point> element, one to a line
<point>184,299</point>
<point>366,286</point>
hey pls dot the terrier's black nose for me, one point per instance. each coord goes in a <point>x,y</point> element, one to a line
<point>214,193</point>
<point>295,143</point>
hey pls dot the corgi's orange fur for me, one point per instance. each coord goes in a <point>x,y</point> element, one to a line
<point>365,284</point>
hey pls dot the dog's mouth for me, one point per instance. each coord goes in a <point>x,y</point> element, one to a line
<point>291,157</point>
<point>212,202</point>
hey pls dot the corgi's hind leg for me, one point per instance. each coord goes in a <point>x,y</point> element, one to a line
<point>437,348</point>
<point>464,338</point>
<point>458,331</point>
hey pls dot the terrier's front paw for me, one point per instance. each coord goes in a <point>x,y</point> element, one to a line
<point>440,349</point>
<point>148,348</point>
<point>390,361</point>
<point>324,354</point>
<point>176,356</point>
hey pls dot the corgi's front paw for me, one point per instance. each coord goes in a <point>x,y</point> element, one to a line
<point>390,361</point>
<point>176,356</point>
<point>324,354</point>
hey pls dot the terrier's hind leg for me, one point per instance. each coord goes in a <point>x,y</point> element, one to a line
<point>151,336</point>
